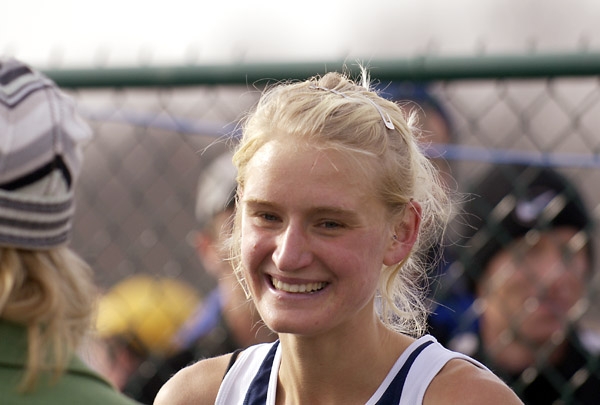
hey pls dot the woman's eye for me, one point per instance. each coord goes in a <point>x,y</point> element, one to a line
<point>268,217</point>
<point>330,224</point>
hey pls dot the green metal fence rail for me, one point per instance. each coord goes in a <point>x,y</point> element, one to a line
<point>421,68</point>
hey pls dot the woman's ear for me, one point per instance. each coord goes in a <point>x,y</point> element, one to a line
<point>406,231</point>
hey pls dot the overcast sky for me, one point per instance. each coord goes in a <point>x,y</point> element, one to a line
<point>124,32</point>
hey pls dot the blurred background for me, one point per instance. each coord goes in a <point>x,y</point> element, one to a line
<point>517,79</point>
<point>133,32</point>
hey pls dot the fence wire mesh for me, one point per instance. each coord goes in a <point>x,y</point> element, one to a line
<point>137,192</point>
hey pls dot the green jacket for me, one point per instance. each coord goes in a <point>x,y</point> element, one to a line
<point>79,384</point>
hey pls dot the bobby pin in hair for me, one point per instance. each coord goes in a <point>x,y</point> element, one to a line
<point>384,115</point>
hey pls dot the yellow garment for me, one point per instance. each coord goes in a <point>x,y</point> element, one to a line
<point>146,311</point>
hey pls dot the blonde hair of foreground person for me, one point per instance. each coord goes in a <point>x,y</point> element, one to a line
<point>49,292</point>
<point>330,122</point>
<point>334,117</point>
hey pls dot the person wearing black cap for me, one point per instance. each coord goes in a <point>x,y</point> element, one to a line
<point>47,295</point>
<point>527,256</point>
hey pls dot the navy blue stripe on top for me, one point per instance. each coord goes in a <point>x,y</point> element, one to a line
<point>257,392</point>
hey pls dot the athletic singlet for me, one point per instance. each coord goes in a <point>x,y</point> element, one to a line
<point>252,380</point>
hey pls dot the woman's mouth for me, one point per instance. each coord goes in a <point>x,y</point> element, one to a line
<point>297,288</point>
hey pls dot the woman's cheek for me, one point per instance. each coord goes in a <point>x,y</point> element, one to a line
<point>250,248</point>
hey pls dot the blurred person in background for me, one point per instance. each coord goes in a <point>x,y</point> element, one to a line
<point>528,257</point>
<point>227,320</point>
<point>137,320</point>
<point>47,295</point>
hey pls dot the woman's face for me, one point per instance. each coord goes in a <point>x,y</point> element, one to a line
<point>531,287</point>
<point>314,238</point>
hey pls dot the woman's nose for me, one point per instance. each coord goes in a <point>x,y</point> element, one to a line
<point>292,249</point>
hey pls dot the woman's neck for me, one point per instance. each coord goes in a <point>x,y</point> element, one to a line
<point>338,367</point>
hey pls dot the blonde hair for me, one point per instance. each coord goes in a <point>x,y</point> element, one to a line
<point>51,293</point>
<point>335,112</point>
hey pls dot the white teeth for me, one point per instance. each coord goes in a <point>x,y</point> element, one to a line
<point>297,288</point>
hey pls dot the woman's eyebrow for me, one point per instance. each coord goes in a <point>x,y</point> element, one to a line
<point>257,203</point>
<point>314,211</point>
<point>333,211</point>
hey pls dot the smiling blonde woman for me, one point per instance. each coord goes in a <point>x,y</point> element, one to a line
<point>336,202</point>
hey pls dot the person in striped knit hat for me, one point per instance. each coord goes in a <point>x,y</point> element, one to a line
<point>47,295</point>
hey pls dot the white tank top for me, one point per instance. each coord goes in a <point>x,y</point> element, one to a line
<point>253,376</point>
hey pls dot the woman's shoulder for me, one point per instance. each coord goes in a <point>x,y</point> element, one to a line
<point>184,386</point>
<point>462,382</point>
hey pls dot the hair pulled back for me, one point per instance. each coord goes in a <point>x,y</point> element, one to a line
<point>335,112</point>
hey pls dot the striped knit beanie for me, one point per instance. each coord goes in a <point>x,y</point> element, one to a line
<point>40,158</point>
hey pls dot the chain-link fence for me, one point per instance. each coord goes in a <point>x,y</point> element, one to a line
<point>135,210</point>
<point>135,213</point>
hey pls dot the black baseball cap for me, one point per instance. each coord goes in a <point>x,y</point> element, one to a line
<point>508,202</point>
